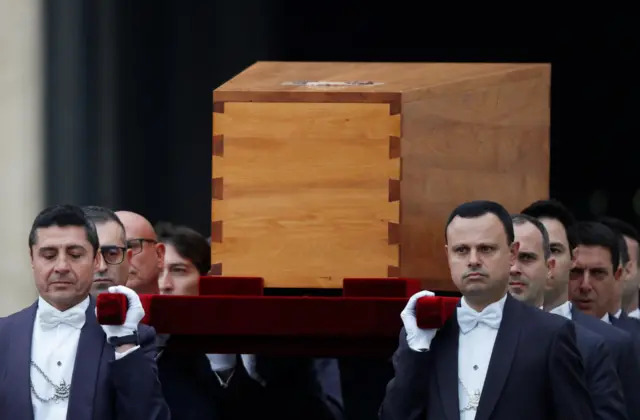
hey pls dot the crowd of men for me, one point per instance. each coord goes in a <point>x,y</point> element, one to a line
<point>548,327</point>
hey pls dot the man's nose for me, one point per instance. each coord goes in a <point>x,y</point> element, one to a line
<point>102,267</point>
<point>585,284</point>
<point>165,283</point>
<point>62,265</point>
<point>515,270</point>
<point>474,261</point>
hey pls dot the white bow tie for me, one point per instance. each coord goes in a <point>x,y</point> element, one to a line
<point>49,319</point>
<point>468,319</point>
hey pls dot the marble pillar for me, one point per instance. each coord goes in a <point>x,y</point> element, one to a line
<point>21,151</point>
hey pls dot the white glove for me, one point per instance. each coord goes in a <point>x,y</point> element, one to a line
<point>135,313</point>
<point>417,339</point>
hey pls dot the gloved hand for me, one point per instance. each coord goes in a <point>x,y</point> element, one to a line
<point>135,313</point>
<point>417,339</point>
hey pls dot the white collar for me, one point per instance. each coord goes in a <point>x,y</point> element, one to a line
<point>606,318</point>
<point>563,310</point>
<point>499,304</point>
<point>44,306</point>
<point>634,314</point>
<point>617,314</point>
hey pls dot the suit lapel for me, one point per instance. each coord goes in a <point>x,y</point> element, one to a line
<point>577,316</point>
<point>447,367</point>
<point>19,366</point>
<point>618,322</point>
<point>624,322</point>
<point>502,356</point>
<point>87,365</point>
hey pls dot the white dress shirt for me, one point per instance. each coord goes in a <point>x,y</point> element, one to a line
<point>617,314</point>
<point>474,353</point>
<point>227,362</point>
<point>53,349</point>
<point>224,363</point>
<point>634,314</point>
<point>563,310</point>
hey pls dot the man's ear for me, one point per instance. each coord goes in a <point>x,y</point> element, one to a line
<point>551,264</point>
<point>160,251</point>
<point>96,261</point>
<point>513,250</point>
<point>617,275</point>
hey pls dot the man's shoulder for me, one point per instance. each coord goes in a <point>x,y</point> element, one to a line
<point>545,321</point>
<point>588,341</point>
<point>629,324</point>
<point>14,322</point>
<point>25,313</point>
<point>587,335</point>
<point>607,331</point>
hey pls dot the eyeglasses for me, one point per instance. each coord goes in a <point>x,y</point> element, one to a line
<point>136,245</point>
<point>113,255</point>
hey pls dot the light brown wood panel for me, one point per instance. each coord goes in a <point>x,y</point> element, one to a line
<point>479,139</point>
<point>312,182</point>
<point>305,198</point>
<point>265,81</point>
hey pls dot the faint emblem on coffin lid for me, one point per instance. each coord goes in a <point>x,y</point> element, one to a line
<point>329,84</point>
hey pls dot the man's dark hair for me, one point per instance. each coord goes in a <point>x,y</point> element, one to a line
<point>598,234</point>
<point>624,229</point>
<point>553,209</point>
<point>479,208</point>
<point>64,215</point>
<point>521,219</point>
<point>188,243</point>
<point>99,215</point>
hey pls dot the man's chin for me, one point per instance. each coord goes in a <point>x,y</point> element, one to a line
<point>585,306</point>
<point>100,286</point>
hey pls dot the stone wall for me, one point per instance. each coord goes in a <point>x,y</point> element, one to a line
<point>21,147</point>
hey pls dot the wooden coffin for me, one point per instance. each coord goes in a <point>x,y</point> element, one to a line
<point>323,171</point>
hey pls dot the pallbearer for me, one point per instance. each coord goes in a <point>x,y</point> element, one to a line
<point>495,358</point>
<point>56,361</point>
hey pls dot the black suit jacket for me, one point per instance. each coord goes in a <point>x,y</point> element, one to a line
<point>535,372</point>
<point>102,388</point>
<point>296,388</point>
<point>630,325</point>
<point>622,349</point>
<point>602,378</point>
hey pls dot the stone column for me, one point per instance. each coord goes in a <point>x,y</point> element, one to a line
<point>21,157</point>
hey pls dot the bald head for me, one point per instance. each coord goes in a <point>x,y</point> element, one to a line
<point>135,225</point>
<point>148,255</point>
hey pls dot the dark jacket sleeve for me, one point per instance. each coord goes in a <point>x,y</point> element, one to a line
<point>138,394</point>
<point>629,374</point>
<point>604,384</point>
<point>570,393</point>
<point>407,393</point>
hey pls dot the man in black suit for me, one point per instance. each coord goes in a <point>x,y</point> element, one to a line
<point>529,276</point>
<point>199,386</point>
<point>560,224</point>
<point>495,358</point>
<point>56,361</point>
<point>627,239</point>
